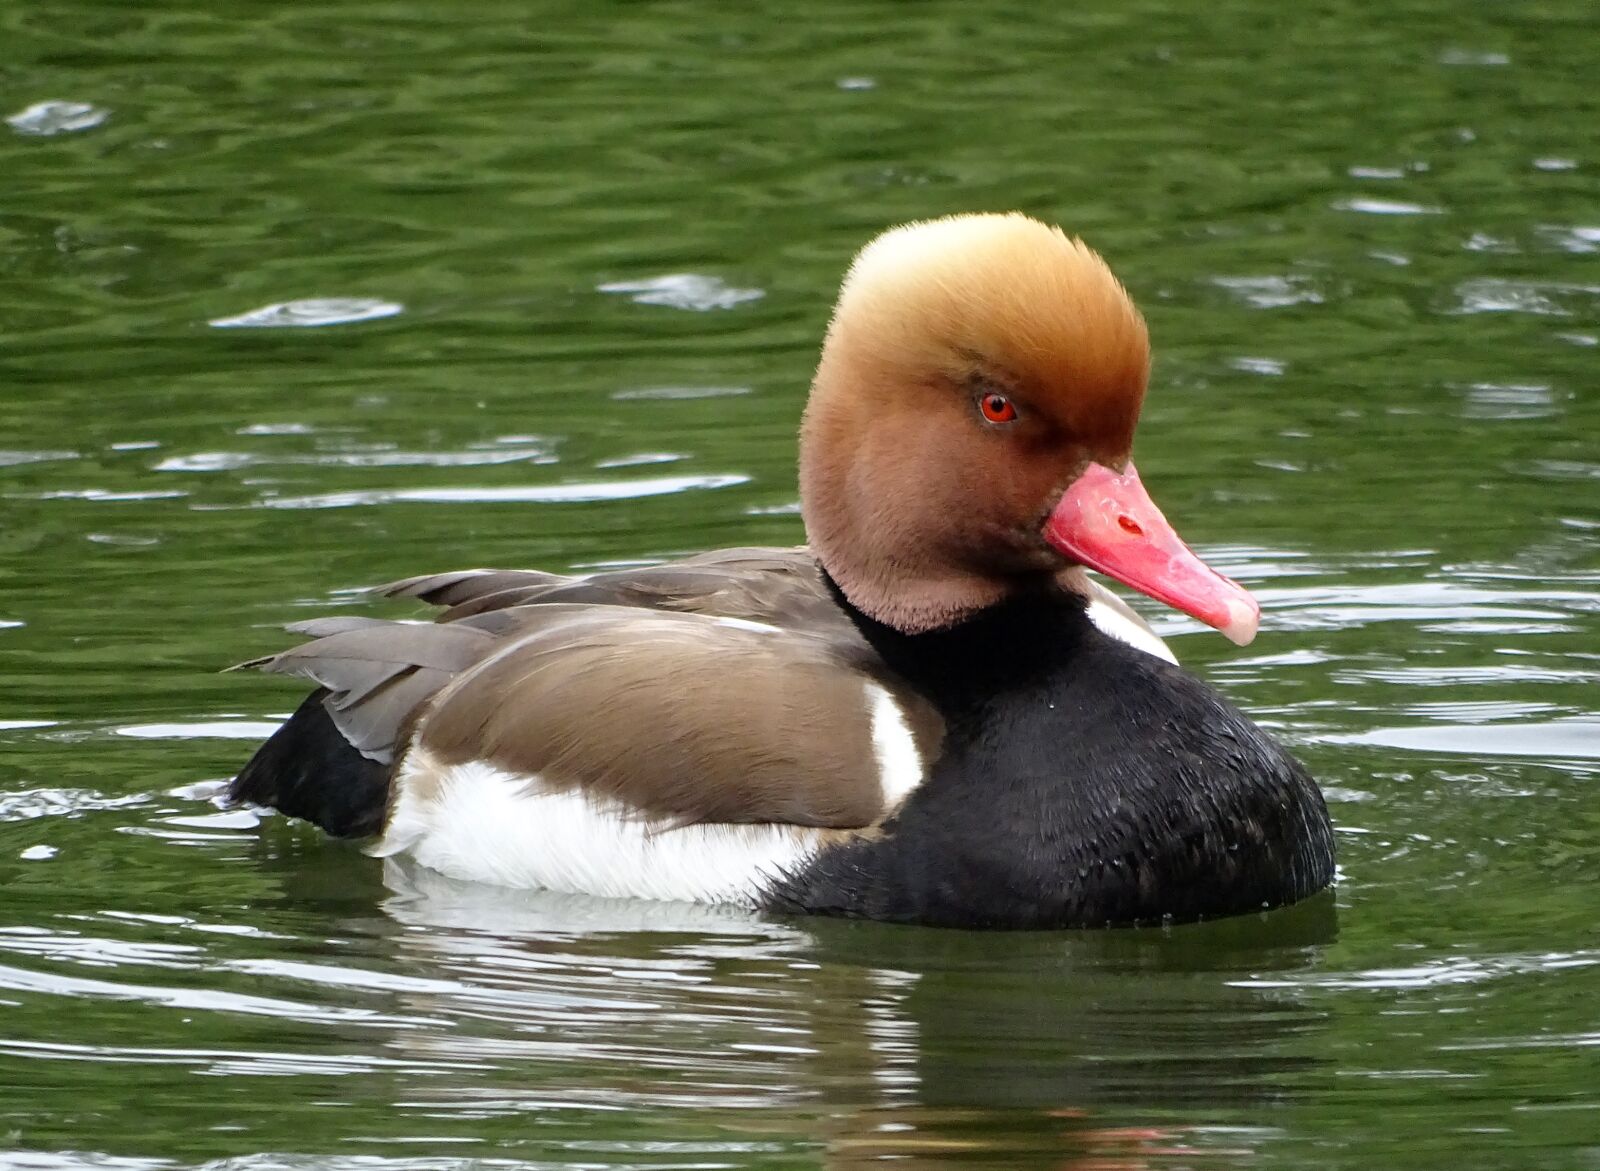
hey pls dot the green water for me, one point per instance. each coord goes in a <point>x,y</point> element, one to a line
<point>1368,244</point>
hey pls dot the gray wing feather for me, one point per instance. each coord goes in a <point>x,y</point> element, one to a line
<point>782,587</point>
<point>377,673</point>
<point>322,627</point>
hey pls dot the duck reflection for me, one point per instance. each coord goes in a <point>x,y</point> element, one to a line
<point>1093,1050</point>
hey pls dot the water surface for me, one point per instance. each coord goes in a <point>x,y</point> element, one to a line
<point>298,299</point>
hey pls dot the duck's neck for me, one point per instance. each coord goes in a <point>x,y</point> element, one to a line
<point>1022,642</point>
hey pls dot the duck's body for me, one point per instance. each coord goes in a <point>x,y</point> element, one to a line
<point>925,720</point>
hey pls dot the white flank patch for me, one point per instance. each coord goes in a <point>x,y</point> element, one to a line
<point>1124,629</point>
<point>473,821</point>
<point>899,762</point>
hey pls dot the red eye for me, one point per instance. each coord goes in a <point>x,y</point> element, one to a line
<point>997,408</point>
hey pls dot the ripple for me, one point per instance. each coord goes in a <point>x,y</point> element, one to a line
<point>1368,206</point>
<point>1575,738</point>
<point>218,1062</point>
<point>1466,676</point>
<point>200,730</point>
<point>43,119</point>
<point>1434,973</point>
<point>213,791</point>
<point>641,459</point>
<point>286,1063</point>
<point>276,429</point>
<point>311,311</point>
<point>95,951</point>
<point>1542,1041</point>
<point>679,392</point>
<point>1577,239</point>
<point>1270,292</point>
<point>1473,57</point>
<point>1297,658</point>
<point>1563,469</point>
<point>1338,607</point>
<point>684,290</point>
<point>106,495</point>
<point>13,458</point>
<point>1497,295</point>
<point>1477,711</point>
<point>233,819</point>
<point>539,453</point>
<point>30,804</point>
<point>206,461</point>
<point>580,493</point>
<point>1497,626</point>
<point>79,1160</point>
<point>328,975</point>
<point>202,999</point>
<point>228,461</point>
<point>1484,242</point>
<point>1490,400</point>
<point>1266,366</point>
<point>1492,295</point>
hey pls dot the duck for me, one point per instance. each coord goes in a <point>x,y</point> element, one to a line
<point>928,714</point>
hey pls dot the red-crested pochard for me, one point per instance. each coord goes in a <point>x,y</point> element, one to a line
<point>930,715</point>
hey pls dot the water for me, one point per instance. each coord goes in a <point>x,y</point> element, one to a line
<point>542,285</point>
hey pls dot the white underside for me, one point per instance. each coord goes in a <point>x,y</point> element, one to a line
<point>475,822</point>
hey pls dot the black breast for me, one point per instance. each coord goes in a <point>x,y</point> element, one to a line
<point>1081,783</point>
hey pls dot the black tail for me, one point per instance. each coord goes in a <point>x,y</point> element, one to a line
<point>307,769</point>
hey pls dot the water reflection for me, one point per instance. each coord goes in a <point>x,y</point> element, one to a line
<point>871,1042</point>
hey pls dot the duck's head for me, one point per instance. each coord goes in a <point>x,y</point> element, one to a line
<point>969,431</point>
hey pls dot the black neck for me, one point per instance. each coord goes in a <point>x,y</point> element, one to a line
<point>1020,642</point>
<point>1079,782</point>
